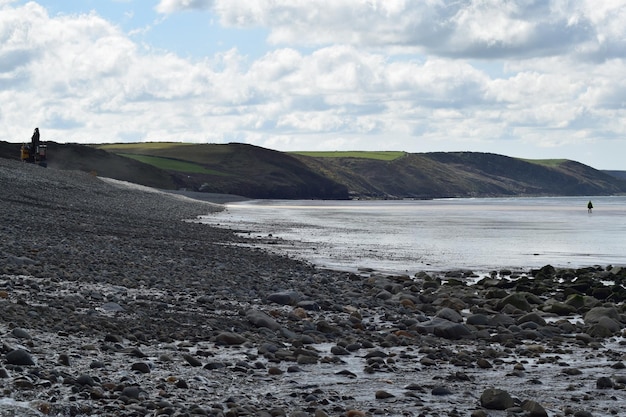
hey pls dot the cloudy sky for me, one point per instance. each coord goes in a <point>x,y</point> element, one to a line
<point>525,78</point>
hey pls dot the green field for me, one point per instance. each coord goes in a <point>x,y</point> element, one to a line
<point>171,164</point>
<point>381,156</point>
<point>546,162</point>
<point>141,146</point>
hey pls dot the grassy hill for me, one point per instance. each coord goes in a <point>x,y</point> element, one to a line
<point>263,173</point>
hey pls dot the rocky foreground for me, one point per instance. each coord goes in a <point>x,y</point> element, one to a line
<point>112,305</point>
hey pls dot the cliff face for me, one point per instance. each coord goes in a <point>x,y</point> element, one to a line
<point>256,172</point>
<point>465,174</point>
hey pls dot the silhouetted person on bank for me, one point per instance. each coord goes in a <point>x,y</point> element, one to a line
<point>35,140</point>
<point>589,207</point>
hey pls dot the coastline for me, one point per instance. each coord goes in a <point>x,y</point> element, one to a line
<point>125,309</point>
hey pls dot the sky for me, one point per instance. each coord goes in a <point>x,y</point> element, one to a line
<point>532,79</point>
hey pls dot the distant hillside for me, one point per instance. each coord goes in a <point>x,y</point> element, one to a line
<point>262,173</point>
<point>464,174</point>
<point>617,174</point>
<point>238,169</point>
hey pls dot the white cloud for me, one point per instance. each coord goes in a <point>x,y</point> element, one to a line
<point>359,82</point>
<point>172,6</point>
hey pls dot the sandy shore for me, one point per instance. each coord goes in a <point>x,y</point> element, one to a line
<point>113,305</point>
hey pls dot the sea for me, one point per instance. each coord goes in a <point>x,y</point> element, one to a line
<point>409,236</point>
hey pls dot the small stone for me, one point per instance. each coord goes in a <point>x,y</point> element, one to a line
<point>441,391</point>
<point>483,363</point>
<point>192,360</point>
<point>20,333</point>
<point>64,359</point>
<point>382,395</point>
<point>274,370</point>
<point>141,367</point>
<point>339,351</point>
<point>534,409</point>
<point>132,392</point>
<point>229,338</point>
<point>85,379</point>
<point>23,383</point>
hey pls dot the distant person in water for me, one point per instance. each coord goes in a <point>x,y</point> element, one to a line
<point>589,207</point>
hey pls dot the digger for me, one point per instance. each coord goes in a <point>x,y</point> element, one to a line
<point>35,153</point>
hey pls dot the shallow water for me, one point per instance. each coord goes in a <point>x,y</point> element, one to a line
<point>413,235</point>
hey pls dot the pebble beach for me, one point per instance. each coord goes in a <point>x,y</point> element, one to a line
<point>114,301</point>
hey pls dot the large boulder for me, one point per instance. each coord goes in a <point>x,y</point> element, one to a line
<point>496,399</point>
<point>604,327</point>
<point>261,319</point>
<point>19,357</point>
<point>517,300</point>
<point>444,328</point>
<point>597,313</point>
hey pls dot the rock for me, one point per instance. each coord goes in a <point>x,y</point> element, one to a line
<point>112,307</point>
<point>560,309</point>
<point>383,395</point>
<point>478,320</point>
<point>191,360</point>
<point>284,297</point>
<point>483,363</point>
<point>20,333</point>
<point>133,392</point>
<point>534,409</point>
<point>575,300</point>
<point>450,315</point>
<point>261,319</point>
<point>20,260</point>
<point>275,370</point>
<point>112,338</point>
<point>517,300</point>
<point>339,350</point>
<point>496,399</point>
<point>309,305</point>
<point>141,367</point>
<point>229,338</point>
<point>19,357</point>
<point>604,382</point>
<point>306,360</point>
<point>64,359</point>
<point>444,328</point>
<point>441,391</point>
<point>597,313</point>
<point>85,379</point>
<point>532,317</point>
<point>604,327</point>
